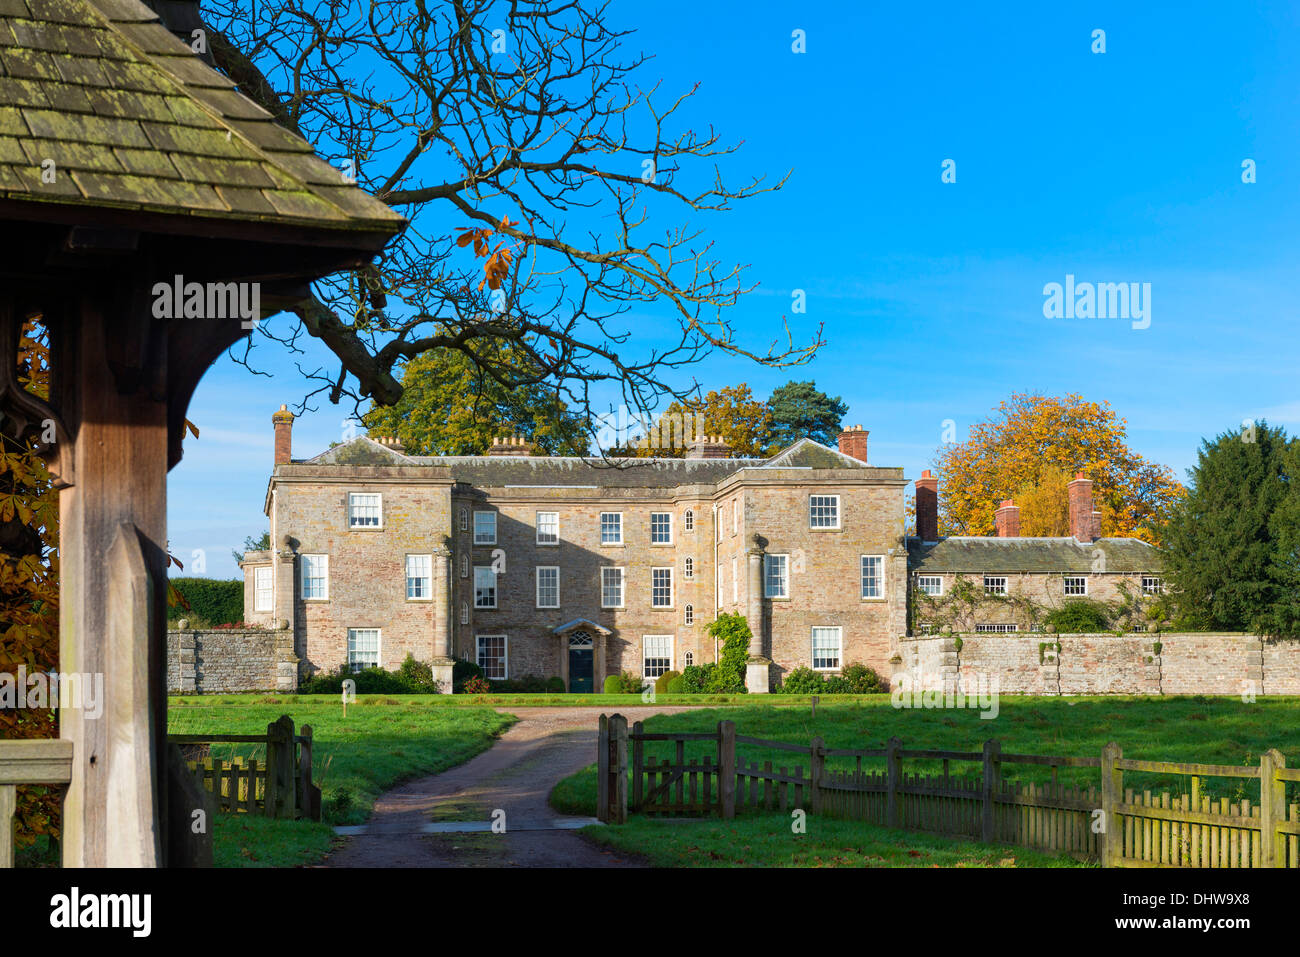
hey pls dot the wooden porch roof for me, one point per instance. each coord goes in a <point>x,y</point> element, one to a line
<point>135,122</point>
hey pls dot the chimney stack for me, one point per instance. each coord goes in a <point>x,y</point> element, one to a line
<point>853,442</point>
<point>708,447</point>
<point>391,442</point>
<point>1085,521</point>
<point>1007,519</point>
<point>510,445</point>
<point>283,422</point>
<point>927,507</point>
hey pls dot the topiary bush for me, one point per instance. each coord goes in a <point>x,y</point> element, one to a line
<point>677,685</point>
<point>859,679</point>
<point>1080,616</point>
<point>613,684</point>
<point>211,601</point>
<point>413,677</point>
<point>555,685</point>
<point>664,680</point>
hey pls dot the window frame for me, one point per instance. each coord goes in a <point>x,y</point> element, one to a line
<point>505,655</point>
<point>688,617</point>
<point>270,588</point>
<point>491,571</point>
<point>538,529</point>
<point>688,568</point>
<point>688,520</point>
<point>464,519</point>
<point>880,577</point>
<point>537,585</point>
<point>601,530</point>
<point>379,513</point>
<point>671,588</point>
<point>932,594</point>
<point>324,577</point>
<point>489,512</point>
<point>668,666</point>
<point>428,579</point>
<point>769,561</point>
<point>622,585</point>
<point>1157,589</point>
<point>997,628</point>
<point>669,541</point>
<point>1065,585</point>
<point>351,642</point>
<point>823,528</point>
<point>839,647</point>
<point>993,589</point>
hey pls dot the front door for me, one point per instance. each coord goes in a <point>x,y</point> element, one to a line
<point>581,663</point>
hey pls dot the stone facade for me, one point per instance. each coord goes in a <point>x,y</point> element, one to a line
<point>230,660</point>
<point>725,515</point>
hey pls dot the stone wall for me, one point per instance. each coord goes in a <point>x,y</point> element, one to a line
<point>227,660</point>
<point>1043,664</point>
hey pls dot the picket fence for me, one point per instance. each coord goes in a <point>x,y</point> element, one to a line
<point>973,795</point>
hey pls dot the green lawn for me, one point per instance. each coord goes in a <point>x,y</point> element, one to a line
<point>610,702</point>
<point>1191,729</point>
<point>382,742</point>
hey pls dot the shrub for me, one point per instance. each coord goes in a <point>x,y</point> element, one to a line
<point>860,680</point>
<point>613,684</point>
<point>696,677</point>
<point>555,685</point>
<point>728,677</point>
<point>477,685</point>
<point>631,682</point>
<point>1079,616</point>
<point>462,671</point>
<point>803,680</point>
<point>213,601</point>
<point>417,676</point>
<point>664,680</point>
<point>677,685</point>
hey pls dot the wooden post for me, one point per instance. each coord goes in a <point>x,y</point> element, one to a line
<point>638,764</point>
<point>1272,809</point>
<point>894,769</point>
<point>727,769</point>
<point>112,575</point>
<point>992,779</point>
<point>1112,792</point>
<point>602,769</point>
<point>279,769</point>
<point>618,768</point>
<point>309,796</point>
<point>8,805</point>
<point>816,766</point>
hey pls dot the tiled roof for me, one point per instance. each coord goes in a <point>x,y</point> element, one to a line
<point>133,119</point>
<point>977,555</point>
<point>807,453</point>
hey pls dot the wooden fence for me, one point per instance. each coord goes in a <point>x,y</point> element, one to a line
<point>973,795</point>
<point>279,787</point>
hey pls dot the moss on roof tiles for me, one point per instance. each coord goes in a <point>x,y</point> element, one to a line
<point>117,100</point>
<point>971,555</point>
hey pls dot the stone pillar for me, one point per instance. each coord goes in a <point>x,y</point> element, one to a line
<point>442,662</point>
<point>286,593</point>
<point>759,667</point>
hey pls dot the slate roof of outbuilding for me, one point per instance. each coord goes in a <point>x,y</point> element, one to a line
<point>133,119</point>
<point>979,555</point>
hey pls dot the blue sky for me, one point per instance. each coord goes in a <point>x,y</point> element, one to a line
<point>1116,167</point>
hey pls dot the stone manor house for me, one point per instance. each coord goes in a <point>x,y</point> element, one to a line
<point>550,565</point>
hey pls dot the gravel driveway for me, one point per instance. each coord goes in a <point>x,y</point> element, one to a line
<point>515,775</point>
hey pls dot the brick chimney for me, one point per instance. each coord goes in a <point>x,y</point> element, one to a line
<point>853,442</point>
<point>1085,521</point>
<point>927,507</point>
<point>510,445</point>
<point>283,422</point>
<point>1007,519</point>
<point>708,447</point>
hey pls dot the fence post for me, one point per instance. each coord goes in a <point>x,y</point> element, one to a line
<point>638,765</point>
<point>816,765</point>
<point>310,799</point>
<point>618,768</point>
<point>992,780</point>
<point>602,769</point>
<point>279,768</point>
<point>727,769</point>
<point>1272,809</point>
<point>894,769</point>
<point>1112,793</point>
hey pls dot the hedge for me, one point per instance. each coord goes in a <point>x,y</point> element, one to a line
<point>212,601</point>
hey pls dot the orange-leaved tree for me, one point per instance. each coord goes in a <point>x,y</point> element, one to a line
<point>29,586</point>
<point>1030,448</point>
<point>731,412</point>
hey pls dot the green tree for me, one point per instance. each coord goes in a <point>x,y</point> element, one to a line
<point>800,410</point>
<point>252,544</point>
<point>734,633</point>
<point>731,412</point>
<point>450,406</point>
<point>1284,525</point>
<point>1223,555</point>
